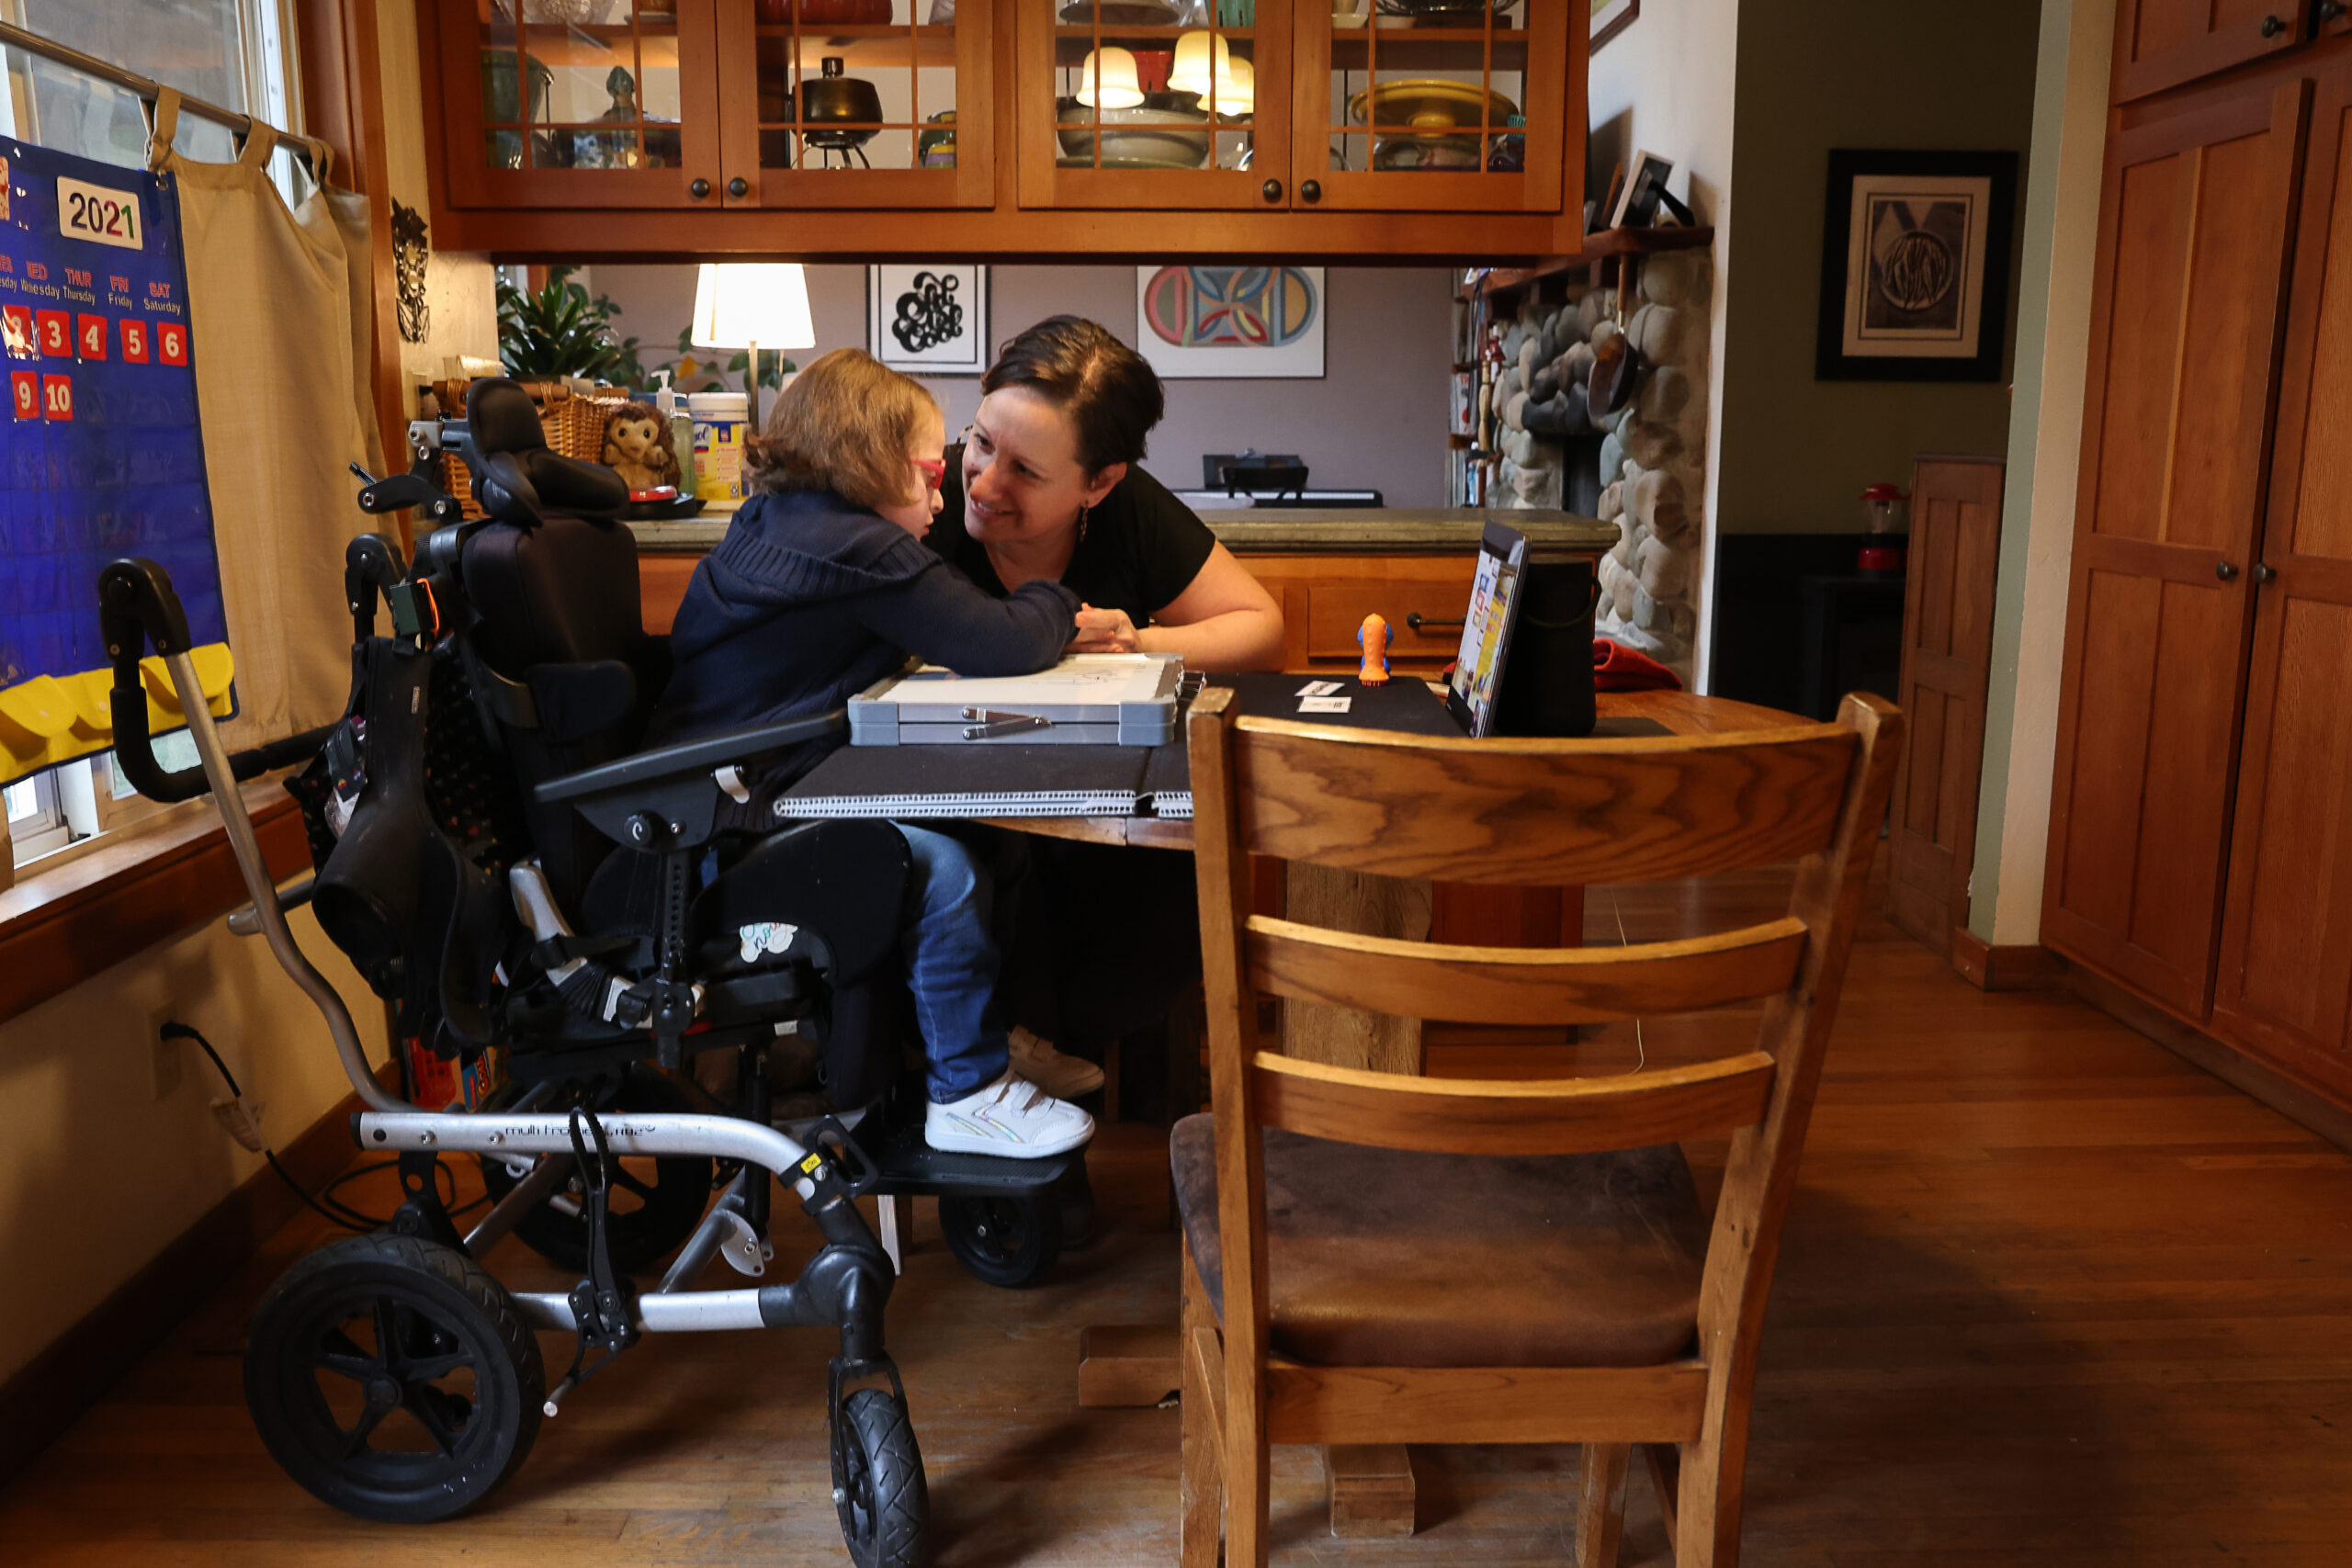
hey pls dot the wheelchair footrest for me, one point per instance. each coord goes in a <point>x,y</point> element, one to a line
<point>908,1164</point>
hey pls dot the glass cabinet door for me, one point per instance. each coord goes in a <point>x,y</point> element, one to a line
<point>1440,106</point>
<point>857,103</point>
<point>1146,104</point>
<point>578,103</point>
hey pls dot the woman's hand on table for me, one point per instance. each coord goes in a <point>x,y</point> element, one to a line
<point>1105,631</point>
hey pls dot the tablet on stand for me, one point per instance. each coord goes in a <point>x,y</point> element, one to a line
<point>1486,630</point>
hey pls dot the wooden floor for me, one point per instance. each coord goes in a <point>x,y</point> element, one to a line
<point>2050,1296</point>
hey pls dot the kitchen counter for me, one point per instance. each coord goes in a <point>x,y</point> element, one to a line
<point>1284,530</point>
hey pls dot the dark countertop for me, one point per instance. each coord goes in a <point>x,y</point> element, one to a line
<point>1268,531</point>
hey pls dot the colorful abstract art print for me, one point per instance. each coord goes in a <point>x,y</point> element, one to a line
<point>1223,321</point>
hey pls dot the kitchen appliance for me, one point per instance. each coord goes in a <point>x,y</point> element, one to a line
<point>1887,513</point>
<point>831,110</point>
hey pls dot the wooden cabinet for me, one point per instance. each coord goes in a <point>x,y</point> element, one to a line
<point>2162,43</point>
<point>1005,128</point>
<point>1325,598</point>
<point>2194,228</point>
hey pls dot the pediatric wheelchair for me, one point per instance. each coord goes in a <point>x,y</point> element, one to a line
<point>507,869</point>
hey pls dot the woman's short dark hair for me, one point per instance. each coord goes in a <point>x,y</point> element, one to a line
<point>1112,396</point>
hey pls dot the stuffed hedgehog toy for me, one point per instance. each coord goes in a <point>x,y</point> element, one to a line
<point>637,447</point>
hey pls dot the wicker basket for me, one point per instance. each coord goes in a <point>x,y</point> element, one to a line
<point>574,423</point>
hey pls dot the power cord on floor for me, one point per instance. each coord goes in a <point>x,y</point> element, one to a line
<point>326,1205</point>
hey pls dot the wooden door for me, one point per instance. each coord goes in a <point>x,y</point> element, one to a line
<point>1947,655</point>
<point>2286,971</point>
<point>933,147</point>
<point>2190,282</point>
<point>1165,151</point>
<point>2162,43</point>
<point>1418,119</point>
<point>542,112</point>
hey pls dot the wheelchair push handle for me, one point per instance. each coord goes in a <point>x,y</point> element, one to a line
<point>137,608</point>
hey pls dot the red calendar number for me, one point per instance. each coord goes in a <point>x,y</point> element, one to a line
<point>171,343</point>
<point>57,397</point>
<point>134,342</point>
<point>17,328</point>
<point>90,336</point>
<point>24,387</point>
<point>56,333</point>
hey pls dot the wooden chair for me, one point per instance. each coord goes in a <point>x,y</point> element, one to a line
<point>1468,1261</point>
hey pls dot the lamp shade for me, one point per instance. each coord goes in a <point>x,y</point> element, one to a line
<point>738,303</point>
<point>1237,94</point>
<point>1198,56</point>
<point>1108,81</point>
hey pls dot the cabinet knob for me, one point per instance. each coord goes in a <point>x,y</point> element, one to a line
<point>1311,191</point>
<point>739,186</point>
<point>2264,571</point>
<point>700,188</point>
<point>2329,10</point>
<point>2225,571</point>
<point>2272,26</point>
<point>1272,190</point>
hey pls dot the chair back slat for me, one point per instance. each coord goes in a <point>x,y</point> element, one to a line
<point>1575,813</point>
<point>1487,1116</point>
<point>1520,985</point>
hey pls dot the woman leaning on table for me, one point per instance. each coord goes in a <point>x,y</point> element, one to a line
<point>1048,487</point>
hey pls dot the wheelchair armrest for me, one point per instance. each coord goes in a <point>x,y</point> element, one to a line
<point>690,757</point>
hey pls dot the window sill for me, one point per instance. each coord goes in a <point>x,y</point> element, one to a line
<point>67,923</point>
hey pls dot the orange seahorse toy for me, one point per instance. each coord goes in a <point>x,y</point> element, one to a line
<point>1373,636</point>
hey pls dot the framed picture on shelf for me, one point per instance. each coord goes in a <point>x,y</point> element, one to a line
<point>928,320</point>
<point>1231,320</point>
<point>1611,17</point>
<point>1915,265</point>
<point>1644,192</point>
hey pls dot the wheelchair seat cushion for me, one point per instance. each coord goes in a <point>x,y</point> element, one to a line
<point>1385,1258</point>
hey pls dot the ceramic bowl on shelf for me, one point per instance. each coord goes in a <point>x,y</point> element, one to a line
<point>1401,152</point>
<point>1145,137</point>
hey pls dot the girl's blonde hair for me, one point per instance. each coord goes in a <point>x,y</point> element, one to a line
<point>844,424</point>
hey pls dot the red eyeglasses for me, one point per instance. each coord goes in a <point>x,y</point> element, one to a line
<point>933,472</point>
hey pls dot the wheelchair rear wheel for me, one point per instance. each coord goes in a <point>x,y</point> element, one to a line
<point>1004,1239</point>
<point>655,1203</point>
<point>884,1503</point>
<point>393,1378</point>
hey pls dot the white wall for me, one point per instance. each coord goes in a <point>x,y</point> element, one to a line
<point>460,297</point>
<point>1375,418</point>
<point>2045,440</point>
<point>1667,85</point>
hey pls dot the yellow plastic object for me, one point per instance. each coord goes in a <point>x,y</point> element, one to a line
<point>53,719</point>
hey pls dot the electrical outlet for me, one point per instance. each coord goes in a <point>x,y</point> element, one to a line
<point>164,1057</point>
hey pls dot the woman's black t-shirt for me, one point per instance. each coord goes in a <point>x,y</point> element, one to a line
<point>1141,549</point>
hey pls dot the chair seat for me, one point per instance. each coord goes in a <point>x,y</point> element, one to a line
<point>1380,1258</point>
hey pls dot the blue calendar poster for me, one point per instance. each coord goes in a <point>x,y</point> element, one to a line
<point>100,453</point>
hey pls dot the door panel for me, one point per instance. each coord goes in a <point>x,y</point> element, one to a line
<point>2286,970</point>
<point>2193,244</point>
<point>2162,43</point>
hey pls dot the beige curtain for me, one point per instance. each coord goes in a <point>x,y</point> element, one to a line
<point>279,328</point>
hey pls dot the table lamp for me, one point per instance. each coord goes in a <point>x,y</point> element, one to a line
<point>752,303</point>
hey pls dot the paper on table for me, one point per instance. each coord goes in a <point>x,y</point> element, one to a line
<point>1078,677</point>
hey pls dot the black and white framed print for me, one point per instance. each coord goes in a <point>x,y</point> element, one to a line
<point>928,320</point>
<point>1915,265</point>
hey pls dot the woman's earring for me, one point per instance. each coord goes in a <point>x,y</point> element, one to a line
<point>1085,514</point>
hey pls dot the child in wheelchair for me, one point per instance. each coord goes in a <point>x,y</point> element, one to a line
<point>822,587</point>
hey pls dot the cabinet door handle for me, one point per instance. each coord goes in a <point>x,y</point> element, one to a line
<point>739,186</point>
<point>2264,571</point>
<point>700,188</point>
<point>2272,26</point>
<point>2329,10</point>
<point>1311,191</point>
<point>1418,622</point>
<point>2225,571</point>
<point>1272,190</point>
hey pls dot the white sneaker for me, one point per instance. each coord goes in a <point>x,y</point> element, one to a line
<point>1064,1077</point>
<point>1011,1116</point>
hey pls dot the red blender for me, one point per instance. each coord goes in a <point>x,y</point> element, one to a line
<point>1888,510</point>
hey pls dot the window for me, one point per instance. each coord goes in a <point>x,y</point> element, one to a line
<point>80,800</point>
<point>238,54</point>
<point>36,821</point>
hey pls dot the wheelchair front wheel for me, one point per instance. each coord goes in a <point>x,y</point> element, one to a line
<point>1007,1240</point>
<point>884,1502</point>
<point>655,1203</point>
<point>393,1378</point>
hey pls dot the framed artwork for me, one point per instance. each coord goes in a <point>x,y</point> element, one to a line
<point>928,320</point>
<point>1915,265</point>
<point>1197,322</point>
<point>1611,17</point>
<point>1644,193</point>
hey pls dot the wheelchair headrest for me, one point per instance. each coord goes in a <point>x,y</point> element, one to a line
<point>516,477</point>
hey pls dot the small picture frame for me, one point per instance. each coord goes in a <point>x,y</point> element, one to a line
<point>1915,265</point>
<point>1644,192</point>
<point>927,319</point>
<point>1486,628</point>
